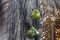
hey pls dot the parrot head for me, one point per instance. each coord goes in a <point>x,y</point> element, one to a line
<point>35,13</point>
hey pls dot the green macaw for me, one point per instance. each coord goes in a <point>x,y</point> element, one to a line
<point>32,32</point>
<point>35,14</point>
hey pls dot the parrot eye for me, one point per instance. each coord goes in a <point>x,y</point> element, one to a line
<point>35,11</point>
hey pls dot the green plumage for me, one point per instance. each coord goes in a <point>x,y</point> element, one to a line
<point>35,14</point>
<point>32,32</point>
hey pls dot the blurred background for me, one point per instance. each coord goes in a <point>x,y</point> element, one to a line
<point>15,13</point>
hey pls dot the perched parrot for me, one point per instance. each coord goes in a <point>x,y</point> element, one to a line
<point>35,14</point>
<point>32,32</point>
